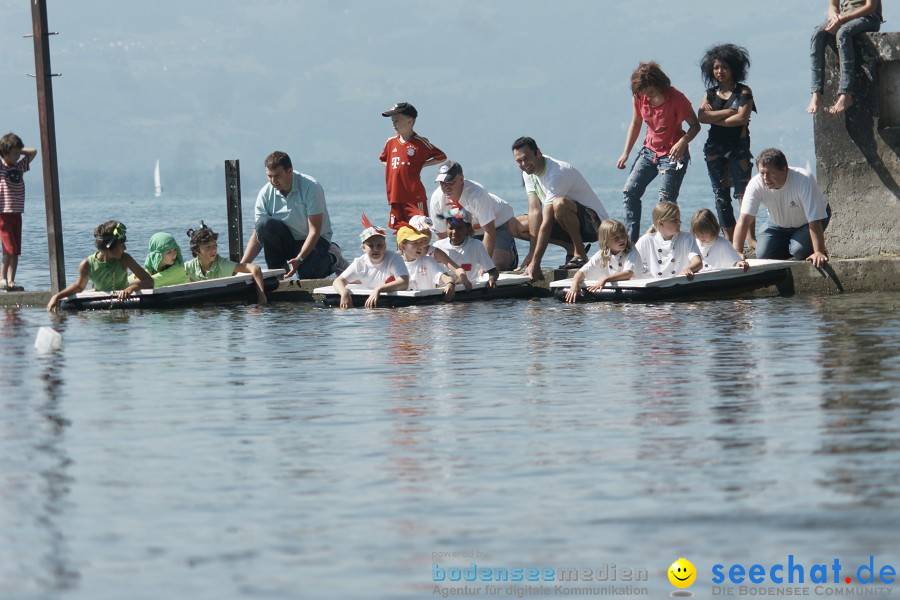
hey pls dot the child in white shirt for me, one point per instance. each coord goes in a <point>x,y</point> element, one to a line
<point>616,260</point>
<point>378,268</point>
<point>424,225</point>
<point>665,249</point>
<point>425,273</point>
<point>463,249</point>
<point>716,251</point>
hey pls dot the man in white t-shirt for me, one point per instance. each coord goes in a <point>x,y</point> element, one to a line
<point>493,215</point>
<point>798,211</point>
<point>562,207</point>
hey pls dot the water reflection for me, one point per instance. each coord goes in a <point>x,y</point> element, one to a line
<point>667,354</point>
<point>411,340</point>
<point>860,402</point>
<point>12,356</point>
<point>61,570</point>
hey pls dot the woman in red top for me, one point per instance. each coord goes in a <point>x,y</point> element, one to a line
<point>665,151</point>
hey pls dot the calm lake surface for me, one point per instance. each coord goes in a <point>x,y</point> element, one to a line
<point>294,451</point>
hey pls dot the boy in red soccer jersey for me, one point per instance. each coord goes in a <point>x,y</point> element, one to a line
<point>403,158</point>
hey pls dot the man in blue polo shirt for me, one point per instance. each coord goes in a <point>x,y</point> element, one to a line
<point>292,224</point>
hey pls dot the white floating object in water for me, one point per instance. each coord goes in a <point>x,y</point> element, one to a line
<point>47,339</point>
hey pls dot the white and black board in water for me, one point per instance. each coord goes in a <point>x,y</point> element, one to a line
<point>236,288</point>
<point>509,285</point>
<point>719,283</point>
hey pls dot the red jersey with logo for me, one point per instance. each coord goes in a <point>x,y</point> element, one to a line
<point>12,186</point>
<point>403,168</point>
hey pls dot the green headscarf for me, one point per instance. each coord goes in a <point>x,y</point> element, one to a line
<point>161,243</point>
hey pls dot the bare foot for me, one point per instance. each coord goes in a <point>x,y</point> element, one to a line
<point>844,102</point>
<point>815,103</point>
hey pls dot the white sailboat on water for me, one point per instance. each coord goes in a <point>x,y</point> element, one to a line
<point>157,181</point>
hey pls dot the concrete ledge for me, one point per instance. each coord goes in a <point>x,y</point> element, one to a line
<point>16,299</point>
<point>848,275</point>
<point>299,290</point>
<point>840,275</point>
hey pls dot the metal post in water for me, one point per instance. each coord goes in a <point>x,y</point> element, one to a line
<point>233,199</point>
<point>48,144</point>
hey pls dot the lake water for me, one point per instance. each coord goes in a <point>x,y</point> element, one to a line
<point>294,451</point>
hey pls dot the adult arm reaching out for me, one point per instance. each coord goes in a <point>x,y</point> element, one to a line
<point>315,232</point>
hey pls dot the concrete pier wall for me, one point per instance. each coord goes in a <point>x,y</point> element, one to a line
<point>858,153</point>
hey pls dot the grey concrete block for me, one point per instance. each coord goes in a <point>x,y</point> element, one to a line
<point>858,152</point>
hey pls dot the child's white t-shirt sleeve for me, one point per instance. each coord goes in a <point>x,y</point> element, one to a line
<point>351,273</point>
<point>592,269</point>
<point>435,270</point>
<point>691,247</point>
<point>484,258</point>
<point>644,247</point>
<point>633,263</point>
<point>396,266</point>
<point>476,254</point>
<point>727,255</point>
<point>721,255</point>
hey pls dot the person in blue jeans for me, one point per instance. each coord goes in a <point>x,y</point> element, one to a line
<point>798,212</point>
<point>665,150</point>
<point>726,107</point>
<point>292,227</point>
<point>846,20</point>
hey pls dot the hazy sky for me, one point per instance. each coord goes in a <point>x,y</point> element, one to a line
<point>195,83</point>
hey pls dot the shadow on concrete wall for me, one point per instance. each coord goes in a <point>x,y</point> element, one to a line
<point>862,124</point>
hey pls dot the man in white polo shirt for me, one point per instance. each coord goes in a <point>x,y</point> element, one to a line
<point>562,207</point>
<point>798,211</point>
<point>492,215</point>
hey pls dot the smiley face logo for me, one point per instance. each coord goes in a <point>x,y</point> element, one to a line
<point>682,573</point>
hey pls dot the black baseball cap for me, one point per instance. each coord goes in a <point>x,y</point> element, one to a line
<point>402,108</point>
<point>448,171</point>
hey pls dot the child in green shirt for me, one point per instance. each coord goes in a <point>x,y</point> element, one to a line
<point>107,268</point>
<point>207,264</point>
<point>164,262</point>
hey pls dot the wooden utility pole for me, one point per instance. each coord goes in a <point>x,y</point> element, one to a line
<point>233,199</point>
<point>48,144</point>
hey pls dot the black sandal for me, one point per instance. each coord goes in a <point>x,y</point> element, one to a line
<point>569,258</point>
<point>575,263</point>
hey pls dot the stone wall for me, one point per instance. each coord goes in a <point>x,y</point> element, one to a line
<point>858,153</point>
